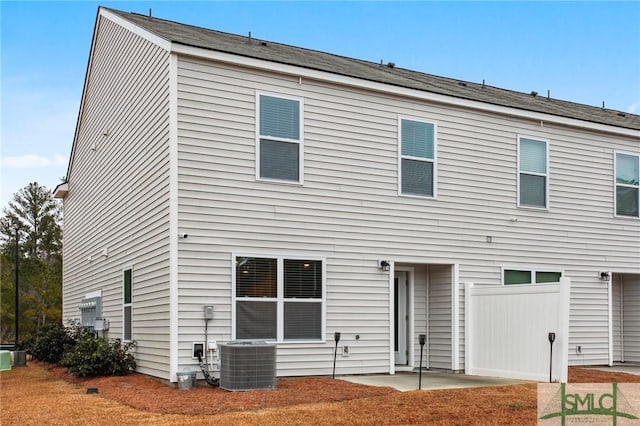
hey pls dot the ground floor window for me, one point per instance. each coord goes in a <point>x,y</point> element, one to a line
<point>278,298</point>
<point>529,276</point>
<point>127,304</point>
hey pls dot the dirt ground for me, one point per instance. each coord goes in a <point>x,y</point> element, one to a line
<point>36,395</point>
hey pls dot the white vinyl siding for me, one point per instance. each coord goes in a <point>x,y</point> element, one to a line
<point>627,185</point>
<point>533,178</point>
<point>417,157</point>
<point>617,310</point>
<point>439,309</point>
<point>350,214</point>
<point>279,145</point>
<point>116,211</point>
<point>626,317</point>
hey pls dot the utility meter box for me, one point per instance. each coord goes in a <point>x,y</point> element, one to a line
<point>208,312</point>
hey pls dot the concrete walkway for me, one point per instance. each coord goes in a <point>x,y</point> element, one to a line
<point>407,381</point>
<point>617,367</point>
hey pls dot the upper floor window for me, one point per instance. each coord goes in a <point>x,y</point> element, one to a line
<point>279,140</point>
<point>533,177</point>
<point>627,184</point>
<point>417,158</point>
<point>279,298</point>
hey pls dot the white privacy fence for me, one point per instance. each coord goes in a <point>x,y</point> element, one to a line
<point>507,328</point>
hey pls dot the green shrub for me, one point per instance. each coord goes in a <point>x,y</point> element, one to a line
<point>50,343</point>
<point>94,355</point>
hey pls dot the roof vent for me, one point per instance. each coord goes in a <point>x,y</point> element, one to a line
<point>534,93</point>
<point>264,43</point>
<point>391,65</point>
<point>622,114</point>
<point>462,83</point>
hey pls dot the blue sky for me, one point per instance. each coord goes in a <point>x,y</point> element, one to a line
<point>586,52</point>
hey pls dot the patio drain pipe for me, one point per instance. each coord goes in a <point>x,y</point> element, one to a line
<point>336,337</point>
<point>421,340</point>
<point>552,338</point>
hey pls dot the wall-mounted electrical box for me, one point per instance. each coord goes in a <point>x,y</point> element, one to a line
<point>195,348</point>
<point>101,324</point>
<point>208,312</point>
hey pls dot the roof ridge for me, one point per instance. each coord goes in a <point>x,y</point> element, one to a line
<point>212,39</point>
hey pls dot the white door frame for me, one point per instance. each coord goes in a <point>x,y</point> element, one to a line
<point>408,332</point>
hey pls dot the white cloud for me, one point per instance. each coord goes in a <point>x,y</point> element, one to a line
<point>30,161</point>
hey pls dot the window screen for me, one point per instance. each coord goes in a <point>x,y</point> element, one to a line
<point>302,321</point>
<point>279,160</point>
<point>256,320</point>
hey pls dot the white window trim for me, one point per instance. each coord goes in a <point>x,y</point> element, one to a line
<point>547,175</point>
<point>408,157</point>
<point>280,299</point>
<point>616,184</point>
<point>124,305</point>
<point>299,141</point>
<point>533,273</point>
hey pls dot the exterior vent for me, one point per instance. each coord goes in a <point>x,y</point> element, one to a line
<point>247,365</point>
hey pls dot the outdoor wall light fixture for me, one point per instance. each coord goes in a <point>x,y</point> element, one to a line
<point>605,276</point>
<point>384,265</point>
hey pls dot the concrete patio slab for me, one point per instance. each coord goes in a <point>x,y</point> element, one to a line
<point>407,381</point>
<point>631,368</point>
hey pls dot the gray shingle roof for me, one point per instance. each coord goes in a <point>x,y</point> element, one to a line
<point>321,61</point>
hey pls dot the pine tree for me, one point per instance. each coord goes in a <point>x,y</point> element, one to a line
<point>38,216</point>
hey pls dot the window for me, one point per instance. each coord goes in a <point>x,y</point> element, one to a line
<point>529,276</point>
<point>417,158</point>
<point>279,141</point>
<point>126,305</point>
<point>627,184</point>
<point>533,177</point>
<point>279,298</point>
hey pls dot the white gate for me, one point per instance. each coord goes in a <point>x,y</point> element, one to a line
<point>507,329</point>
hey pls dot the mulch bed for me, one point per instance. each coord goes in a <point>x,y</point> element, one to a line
<point>35,395</point>
<point>145,393</point>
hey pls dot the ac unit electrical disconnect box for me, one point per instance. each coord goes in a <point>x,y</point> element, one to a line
<point>208,312</point>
